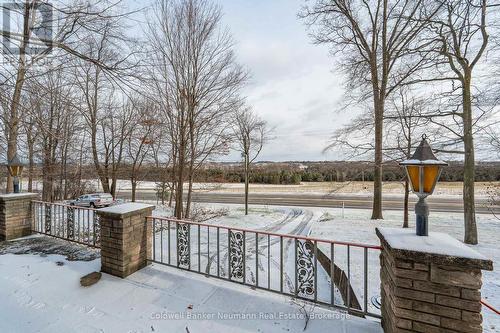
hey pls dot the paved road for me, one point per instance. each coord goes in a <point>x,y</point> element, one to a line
<point>437,204</point>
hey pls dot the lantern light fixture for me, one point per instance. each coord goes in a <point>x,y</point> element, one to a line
<point>15,167</point>
<point>423,170</point>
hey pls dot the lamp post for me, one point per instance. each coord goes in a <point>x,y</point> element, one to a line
<point>423,170</point>
<point>15,167</point>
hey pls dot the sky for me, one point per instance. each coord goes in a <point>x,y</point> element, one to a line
<point>292,85</point>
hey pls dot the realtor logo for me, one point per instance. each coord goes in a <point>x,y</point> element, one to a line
<point>37,16</point>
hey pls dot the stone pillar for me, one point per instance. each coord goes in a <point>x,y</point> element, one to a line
<point>429,284</point>
<point>16,215</point>
<point>126,238</point>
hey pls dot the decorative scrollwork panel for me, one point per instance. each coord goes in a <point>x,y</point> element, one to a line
<point>183,248</point>
<point>305,268</point>
<point>236,254</point>
<point>97,229</point>
<point>48,218</point>
<point>70,221</point>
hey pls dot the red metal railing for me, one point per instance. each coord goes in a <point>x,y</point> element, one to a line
<point>249,256</point>
<point>76,224</point>
<point>489,306</point>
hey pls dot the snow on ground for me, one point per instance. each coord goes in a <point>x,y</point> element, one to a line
<point>31,290</point>
<point>264,272</point>
<point>354,225</point>
<point>42,294</point>
<point>443,189</point>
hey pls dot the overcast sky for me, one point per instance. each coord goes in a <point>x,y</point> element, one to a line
<point>292,85</point>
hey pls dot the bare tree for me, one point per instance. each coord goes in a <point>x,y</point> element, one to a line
<point>250,133</point>
<point>462,34</point>
<point>196,78</point>
<point>75,19</point>
<point>103,107</point>
<point>52,113</point>
<point>404,125</point>
<point>162,157</point>
<point>380,46</point>
<point>141,139</point>
<point>29,125</point>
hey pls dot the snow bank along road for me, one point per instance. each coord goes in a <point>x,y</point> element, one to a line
<point>437,203</point>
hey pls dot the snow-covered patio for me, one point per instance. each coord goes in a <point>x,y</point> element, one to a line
<point>39,281</point>
<point>355,225</point>
<point>41,293</point>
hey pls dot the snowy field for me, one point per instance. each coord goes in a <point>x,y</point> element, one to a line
<point>448,189</point>
<point>351,225</point>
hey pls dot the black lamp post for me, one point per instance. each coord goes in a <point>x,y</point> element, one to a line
<point>15,167</point>
<point>423,170</point>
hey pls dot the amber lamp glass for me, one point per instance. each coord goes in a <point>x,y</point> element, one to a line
<point>15,167</point>
<point>423,170</point>
<point>427,173</point>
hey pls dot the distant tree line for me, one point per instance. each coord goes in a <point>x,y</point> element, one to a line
<point>286,174</point>
<point>292,176</point>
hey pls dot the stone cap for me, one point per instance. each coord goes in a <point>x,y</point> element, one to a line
<point>438,248</point>
<point>125,209</point>
<point>15,196</point>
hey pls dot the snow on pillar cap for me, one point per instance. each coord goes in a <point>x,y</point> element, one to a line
<point>438,248</point>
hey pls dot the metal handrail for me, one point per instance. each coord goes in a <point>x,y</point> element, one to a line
<point>72,223</point>
<point>263,232</point>
<point>489,306</point>
<point>303,264</point>
<point>63,205</point>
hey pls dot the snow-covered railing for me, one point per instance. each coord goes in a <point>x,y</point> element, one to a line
<point>72,223</point>
<point>293,265</point>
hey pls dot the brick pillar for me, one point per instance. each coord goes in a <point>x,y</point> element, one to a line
<point>429,284</point>
<point>15,215</point>
<point>126,238</point>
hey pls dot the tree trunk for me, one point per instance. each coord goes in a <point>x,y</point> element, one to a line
<point>31,161</point>
<point>180,185</point>
<point>102,175</point>
<point>469,166</point>
<point>48,184</point>
<point>172,177</point>
<point>114,182</point>
<point>407,181</point>
<point>189,197</point>
<point>246,182</point>
<point>190,179</point>
<point>171,196</point>
<point>65,169</point>
<point>406,204</point>
<point>163,185</point>
<point>134,188</point>
<point>377,181</point>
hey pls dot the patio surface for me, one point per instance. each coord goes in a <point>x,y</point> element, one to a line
<point>41,293</point>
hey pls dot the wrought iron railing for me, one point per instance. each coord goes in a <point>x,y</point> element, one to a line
<point>72,223</point>
<point>330,273</point>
